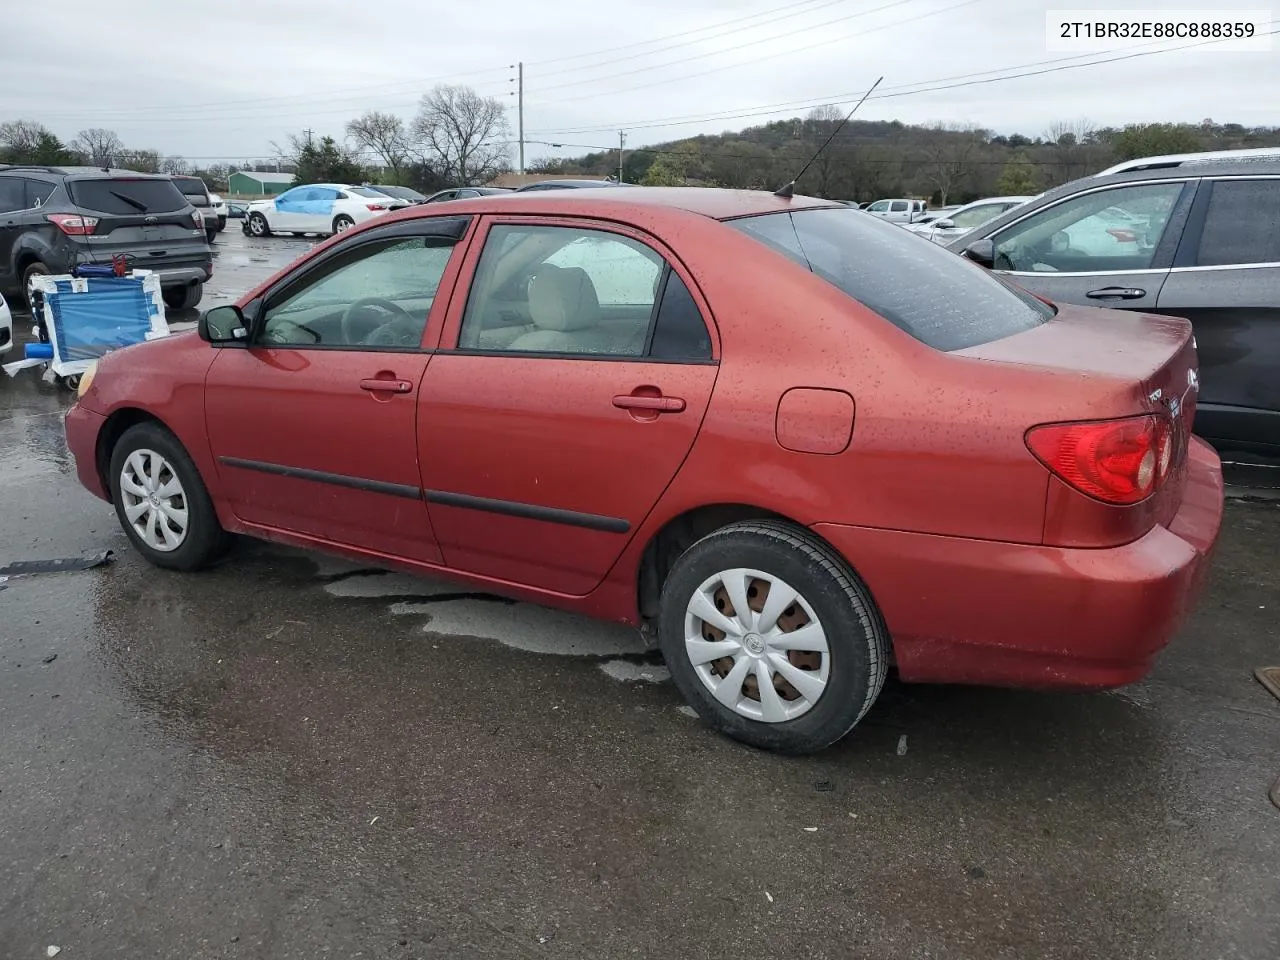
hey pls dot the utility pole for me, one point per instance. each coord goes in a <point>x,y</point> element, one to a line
<point>622,142</point>
<point>308,131</point>
<point>520,112</point>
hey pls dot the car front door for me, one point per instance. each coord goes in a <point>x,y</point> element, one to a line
<point>312,424</point>
<point>568,391</point>
<point>1226,281</point>
<point>1079,250</point>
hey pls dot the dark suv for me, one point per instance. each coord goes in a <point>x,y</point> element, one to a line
<point>197,193</point>
<point>1190,238</point>
<point>55,218</point>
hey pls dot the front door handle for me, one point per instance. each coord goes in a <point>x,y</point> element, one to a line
<point>631,401</point>
<point>1117,293</point>
<point>381,385</point>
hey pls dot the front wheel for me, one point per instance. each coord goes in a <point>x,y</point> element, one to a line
<point>258,226</point>
<point>342,223</point>
<point>161,501</point>
<point>771,637</point>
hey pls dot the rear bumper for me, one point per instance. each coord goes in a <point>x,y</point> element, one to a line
<point>983,612</point>
<point>82,427</point>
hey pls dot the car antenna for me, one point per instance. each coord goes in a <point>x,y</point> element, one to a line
<point>788,191</point>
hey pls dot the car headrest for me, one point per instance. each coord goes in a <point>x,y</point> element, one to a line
<point>563,299</point>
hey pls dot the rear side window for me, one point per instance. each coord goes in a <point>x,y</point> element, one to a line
<point>920,287</point>
<point>127,197</point>
<point>38,191</point>
<point>1242,224</point>
<point>898,206</point>
<point>679,333</point>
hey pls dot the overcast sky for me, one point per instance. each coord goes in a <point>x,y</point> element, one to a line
<point>221,81</point>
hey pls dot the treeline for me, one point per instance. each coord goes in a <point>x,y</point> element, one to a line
<point>869,160</point>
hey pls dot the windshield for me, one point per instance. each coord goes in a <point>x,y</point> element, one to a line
<point>937,297</point>
<point>127,196</point>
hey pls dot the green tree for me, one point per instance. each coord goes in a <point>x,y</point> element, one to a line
<point>1018,177</point>
<point>663,172</point>
<point>1155,139</point>
<point>324,161</point>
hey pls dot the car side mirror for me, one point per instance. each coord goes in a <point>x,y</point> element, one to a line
<point>982,252</point>
<point>944,224</point>
<point>223,325</point>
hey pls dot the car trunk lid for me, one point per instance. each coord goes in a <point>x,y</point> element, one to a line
<point>146,218</point>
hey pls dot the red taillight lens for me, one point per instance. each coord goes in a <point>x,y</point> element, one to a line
<point>1115,461</point>
<point>73,225</point>
<point>376,206</point>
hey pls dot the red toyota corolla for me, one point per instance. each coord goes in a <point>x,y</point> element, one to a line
<point>802,443</point>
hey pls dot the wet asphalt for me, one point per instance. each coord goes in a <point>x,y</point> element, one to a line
<point>289,757</point>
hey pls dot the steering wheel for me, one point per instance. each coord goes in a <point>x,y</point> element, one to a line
<point>357,325</point>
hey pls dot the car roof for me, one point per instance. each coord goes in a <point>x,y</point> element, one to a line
<point>713,202</point>
<point>83,172</point>
<point>1251,155</point>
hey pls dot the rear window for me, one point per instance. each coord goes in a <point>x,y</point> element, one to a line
<point>127,197</point>
<point>191,186</point>
<point>366,192</point>
<point>937,297</point>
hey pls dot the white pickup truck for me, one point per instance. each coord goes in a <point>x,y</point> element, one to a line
<point>898,211</point>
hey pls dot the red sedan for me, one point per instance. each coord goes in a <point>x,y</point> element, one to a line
<point>801,443</point>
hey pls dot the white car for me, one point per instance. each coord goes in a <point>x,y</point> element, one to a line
<point>219,209</point>
<point>898,211</point>
<point>961,220</point>
<point>318,208</point>
<point>6,327</point>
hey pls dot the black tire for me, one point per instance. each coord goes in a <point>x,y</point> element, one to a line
<point>342,222</point>
<point>205,537</point>
<point>32,270</point>
<point>857,640</point>
<point>211,235</point>
<point>183,298</point>
<point>257,226</point>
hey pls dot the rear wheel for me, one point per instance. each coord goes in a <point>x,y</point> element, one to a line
<point>771,637</point>
<point>183,298</point>
<point>258,226</point>
<point>32,270</point>
<point>161,501</point>
<point>342,223</point>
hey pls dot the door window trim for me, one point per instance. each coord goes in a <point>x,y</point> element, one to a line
<point>458,230</point>
<point>452,329</point>
<point>1184,200</point>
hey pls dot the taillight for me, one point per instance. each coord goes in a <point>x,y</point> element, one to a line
<point>73,225</point>
<point>1115,461</point>
<point>376,206</point>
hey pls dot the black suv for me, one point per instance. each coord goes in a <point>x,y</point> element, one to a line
<point>1186,237</point>
<point>55,218</point>
<point>197,193</point>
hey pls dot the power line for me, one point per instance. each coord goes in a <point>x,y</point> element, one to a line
<point>891,94</point>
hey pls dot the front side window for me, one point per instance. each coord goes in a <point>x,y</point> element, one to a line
<point>578,292</point>
<point>1117,229</point>
<point>1242,224</point>
<point>940,299</point>
<point>376,296</point>
<point>880,206</point>
<point>12,194</point>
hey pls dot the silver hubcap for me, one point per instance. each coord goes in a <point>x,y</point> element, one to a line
<point>757,645</point>
<point>255,225</point>
<point>343,225</point>
<point>154,502</point>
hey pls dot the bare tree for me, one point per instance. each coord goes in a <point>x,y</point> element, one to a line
<point>463,134</point>
<point>385,135</point>
<point>100,146</point>
<point>143,161</point>
<point>175,166</point>
<point>21,137</point>
<point>949,157</point>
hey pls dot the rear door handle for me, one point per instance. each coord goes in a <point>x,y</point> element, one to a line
<point>1117,293</point>
<point>379,385</point>
<point>630,401</point>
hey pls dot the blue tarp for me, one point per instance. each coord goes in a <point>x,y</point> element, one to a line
<point>310,200</point>
<point>114,312</point>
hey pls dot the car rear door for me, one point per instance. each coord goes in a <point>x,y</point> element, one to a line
<point>1226,281</point>
<point>1072,250</point>
<point>12,203</point>
<point>572,379</point>
<point>312,425</point>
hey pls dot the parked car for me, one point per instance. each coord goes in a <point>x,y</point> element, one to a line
<point>800,443</point>
<point>898,211</point>
<point>197,193</point>
<point>1195,240</point>
<point>568,184</point>
<point>318,208</point>
<point>6,327</point>
<point>237,209</point>
<point>936,213</point>
<point>945,226</point>
<point>54,218</point>
<point>219,210</point>
<point>465,193</point>
<point>407,194</point>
